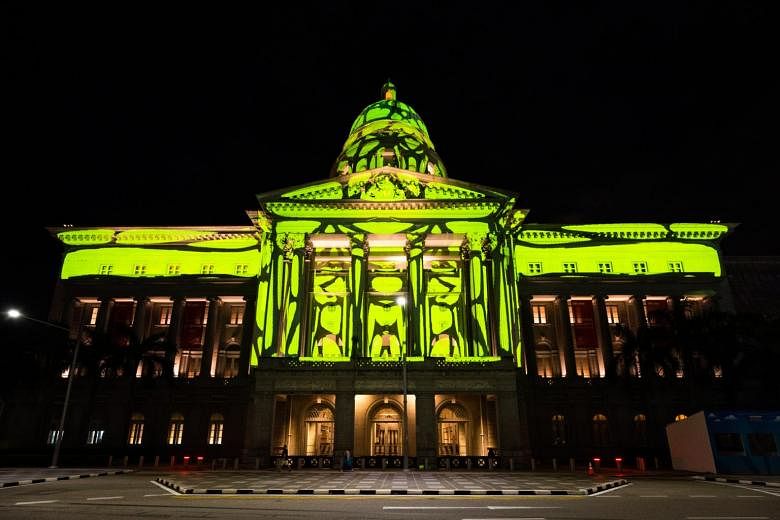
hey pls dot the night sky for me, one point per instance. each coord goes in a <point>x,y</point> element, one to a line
<point>616,113</point>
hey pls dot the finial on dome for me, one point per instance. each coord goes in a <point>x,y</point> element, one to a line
<point>388,91</point>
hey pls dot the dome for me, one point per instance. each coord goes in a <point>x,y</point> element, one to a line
<point>388,133</point>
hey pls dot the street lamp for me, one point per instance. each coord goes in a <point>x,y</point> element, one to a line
<point>15,314</point>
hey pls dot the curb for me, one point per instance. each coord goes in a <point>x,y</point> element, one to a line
<point>64,477</point>
<point>426,492</point>
<point>738,481</point>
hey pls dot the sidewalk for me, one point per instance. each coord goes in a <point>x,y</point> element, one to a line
<point>23,476</point>
<point>329,482</point>
<point>760,480</point>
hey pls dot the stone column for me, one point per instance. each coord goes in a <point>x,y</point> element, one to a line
<point>527,334</point>
<point>465,255</point>
<point>143,309</point>
<point>358,279</point>
<point>512,434</point>
<point>479,306</point>
<point>174,329</point>
<point>425,426</point>
<point>344,436</point>
<point>104,315</point>
<point>414,254</point>
<point>564,337</point>
<point>212,337</point>
<point>637,322</point>
<point>305,297</point>
<point>247,337</point>
<point>604,335</point>
<point>261,412</point>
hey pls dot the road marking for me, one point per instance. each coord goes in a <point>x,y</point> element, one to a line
<point>702,496</point>
<point>743,487</point>
<point>751,496</point>
<point>653,496</point>
<point>610,491</point>
<point>727,517</point>
<point>169,490</point>
<point>502,518</point>
<point>104,498</point>
<point>492,508</point>
<point>35,502</point>
<point>158,495</point>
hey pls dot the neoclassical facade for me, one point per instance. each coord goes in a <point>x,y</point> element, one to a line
<point>387,309</point>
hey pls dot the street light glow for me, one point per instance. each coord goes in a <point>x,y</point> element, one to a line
<point>401,301</point>
<point>14,313</point>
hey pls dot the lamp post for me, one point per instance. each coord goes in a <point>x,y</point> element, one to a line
<point>15,314</point>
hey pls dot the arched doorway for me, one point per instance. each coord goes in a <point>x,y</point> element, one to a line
<point>386,434</point>
<point>453,429</point>
<point>319,426</point>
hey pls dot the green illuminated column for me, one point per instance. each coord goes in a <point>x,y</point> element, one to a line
<point>478,309</point>
<point>465,255</point>
<point>505,295</point>
<point>603,334</point>
<point>289,324</point>
<point>564,335</point>
<point>488,287</point>
<point>414,255</point>
<point>211,341</point>
<point>358,276</point>
<point>263,330</point>
<point>527,331</point>
<point>246,338</point>
<point>305,298</point>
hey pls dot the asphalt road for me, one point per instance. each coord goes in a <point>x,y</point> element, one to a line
<point>135,496</point>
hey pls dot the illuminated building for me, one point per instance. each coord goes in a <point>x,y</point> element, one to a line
<point>301,328</point>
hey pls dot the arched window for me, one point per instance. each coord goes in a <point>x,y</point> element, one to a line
<point>600,430</point>
<point>453,430</point>
<point>558,430</point>
<point>136,433</point>
<point>386,430</point>
<point>548,363</point>
<point>319,430</point>
<point>640,429</point>
<point>216,427</point>
<point>175,429</point>
<point>680,417</point>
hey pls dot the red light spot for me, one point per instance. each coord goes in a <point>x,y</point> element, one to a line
<point>618,459</point>
<point>186,458</point>
<point>596,459</point>
<point>200,458</point>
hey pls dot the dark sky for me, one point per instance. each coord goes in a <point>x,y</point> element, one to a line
<point>129,115</point>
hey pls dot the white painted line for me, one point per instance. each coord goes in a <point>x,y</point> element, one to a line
<point>522,507</point>
<point>169,490</point>
<point>751,496</point>
<point>751,488</point>
<point>35,502</point>
<point>158,495</point>
<point>104,498</point>
<point>653,496</point>
<point>701,496</point>
<point>503,518</point>
<point>610,490</point>
<point>727,517</point>
<point>431,507</point>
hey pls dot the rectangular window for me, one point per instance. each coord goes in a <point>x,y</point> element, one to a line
<point>613,315</point>
<point>236,315</point>
<point>175,432</point>
<point>640,267</point>
<point>165,314</point>
<point>762,443</point>
<point>539,314</point>
<point>93,313</point>
<point>136,435</point>
<point>675,267</point>
<point>534,267</point>
<point>207,269</point>
<point>95,436</point>
<point>106,268</point>
<point>605,267</point>
<point>174,269</point>
<point>215,432</point>
<point>729,443</point>
<point>569,267</point>
<point>139,269</point>
<point>242,268</point>
<point>54,434</point>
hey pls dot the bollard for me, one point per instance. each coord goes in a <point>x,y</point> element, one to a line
<point>384,463</point>
<point>656,463</point>
<point>224,463</point>
<point>533,464</point>
<point>173,460</point>
<point>426,463</point>
<point>640,464</point>
<point>257,462</point>
<point>124,461</point>
<point>511,463</point>
<point>110,460</point>
<point>213,464</point>
<point>597,463</point>
<point>447,464</point>
<point>141,461</point>
<point>235,463</point>
<point>619,463</point>
<point>555,464</point>
<point>468,463</point>
<point>572,466</point>
<point>156,460</point>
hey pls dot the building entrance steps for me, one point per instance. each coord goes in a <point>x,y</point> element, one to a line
<point>385,483</point>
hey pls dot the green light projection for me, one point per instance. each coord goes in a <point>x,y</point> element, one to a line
<point>126,261</point>
<point>388,133</point>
